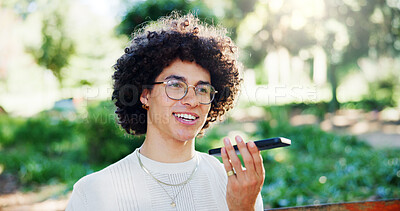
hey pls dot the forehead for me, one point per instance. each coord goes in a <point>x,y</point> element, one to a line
<point>189,71</point>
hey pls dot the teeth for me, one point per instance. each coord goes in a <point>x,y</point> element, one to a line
<point>186,116</point>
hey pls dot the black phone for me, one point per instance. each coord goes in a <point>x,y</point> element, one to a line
<point>264,144</point>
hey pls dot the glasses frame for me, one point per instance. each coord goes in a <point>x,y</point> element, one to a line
<point>186,90</point>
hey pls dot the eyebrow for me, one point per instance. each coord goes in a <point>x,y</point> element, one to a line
<point>177,77</point>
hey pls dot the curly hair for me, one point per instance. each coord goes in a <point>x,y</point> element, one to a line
<point>155,47</point>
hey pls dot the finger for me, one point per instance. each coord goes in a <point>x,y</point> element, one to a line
<point>235,161</point>
<point>225,160</point>
<point>247,157</point>
<point>257,159</point>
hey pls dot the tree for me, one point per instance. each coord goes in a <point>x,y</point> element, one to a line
<point>151,10</point>
<point>56,47</point>
<point>346,30</point>
<point>372,32</point>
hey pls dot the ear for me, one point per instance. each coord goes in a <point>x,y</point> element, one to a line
<point>144,97</point>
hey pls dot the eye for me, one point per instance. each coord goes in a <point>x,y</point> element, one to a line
<point>203,89</point>
<point>175,84</point>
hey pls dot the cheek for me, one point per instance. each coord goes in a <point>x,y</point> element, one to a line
<point>160,99</point>
<point>205,110</point>
<point>160,111</point>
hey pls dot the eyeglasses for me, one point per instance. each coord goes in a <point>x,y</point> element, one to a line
<point>177,89</point>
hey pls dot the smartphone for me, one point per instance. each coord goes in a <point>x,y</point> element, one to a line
<point>264,144</point>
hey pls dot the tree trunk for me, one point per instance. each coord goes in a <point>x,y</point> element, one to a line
<point>332,77</point>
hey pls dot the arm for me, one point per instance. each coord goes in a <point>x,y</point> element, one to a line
<point>244,186</point>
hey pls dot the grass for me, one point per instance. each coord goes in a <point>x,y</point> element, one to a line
<point>323,167</point>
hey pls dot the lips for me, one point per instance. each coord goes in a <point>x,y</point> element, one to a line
<point>186,117</point>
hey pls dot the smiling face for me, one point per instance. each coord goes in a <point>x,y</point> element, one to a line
<point>182,119</point>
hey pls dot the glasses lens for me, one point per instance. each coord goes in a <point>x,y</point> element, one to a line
<point>205,93</point>
<point>175,89</point>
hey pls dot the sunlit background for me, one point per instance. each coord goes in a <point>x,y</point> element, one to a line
<point>323,73</point>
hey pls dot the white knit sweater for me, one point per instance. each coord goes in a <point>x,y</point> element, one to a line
<point>126,186</point>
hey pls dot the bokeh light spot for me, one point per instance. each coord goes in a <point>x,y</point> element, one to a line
<point>322,179</point>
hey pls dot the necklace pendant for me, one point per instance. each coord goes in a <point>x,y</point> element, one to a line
<point>173,204</point>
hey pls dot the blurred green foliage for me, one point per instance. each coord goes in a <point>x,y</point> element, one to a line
<point>319,109</point>
<point>370,28</point>
<point>52,148</point>
<point>151,10</point>
<point>56,47</point>
<point>319,167</point>
<point>322,167</point>
<point>383,91</point>
<point>42,149</point>
<point>106,142</point>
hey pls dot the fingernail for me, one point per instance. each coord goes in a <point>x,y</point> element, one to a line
<point>226,141</point>
<point>223,150</point>
<point>251,144</point>
<point>238,139</point>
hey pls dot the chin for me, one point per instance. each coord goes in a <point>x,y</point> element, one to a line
<point>185,135</point>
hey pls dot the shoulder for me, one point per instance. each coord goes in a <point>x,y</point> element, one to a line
<point>209,159</point>
<point>98,181</point>
<point>96,191</point>
<point>93,180</point>
<point>212,162</point>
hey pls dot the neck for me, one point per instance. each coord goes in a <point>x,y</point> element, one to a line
<point>167,150</point>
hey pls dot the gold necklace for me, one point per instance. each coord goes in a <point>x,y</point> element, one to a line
<point>159,182</point>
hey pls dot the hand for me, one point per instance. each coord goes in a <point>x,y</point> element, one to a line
<point>244,186</point>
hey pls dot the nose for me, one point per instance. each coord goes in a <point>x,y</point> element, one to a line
<point>190,99</point>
